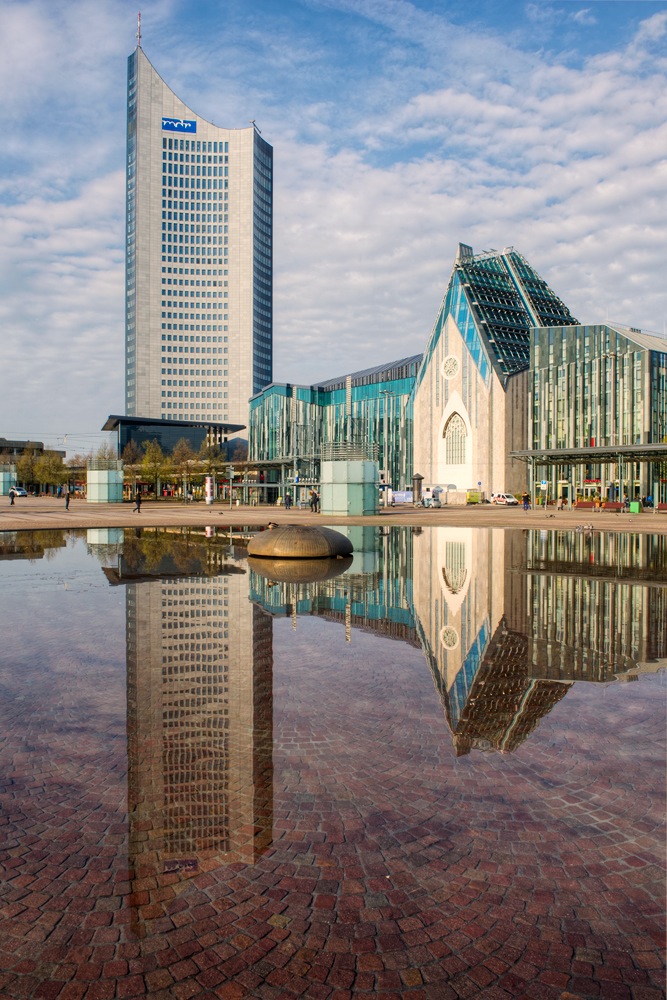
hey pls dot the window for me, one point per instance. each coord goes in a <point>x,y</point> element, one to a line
<point>454,436</point>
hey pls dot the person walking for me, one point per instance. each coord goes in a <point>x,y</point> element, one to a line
<point>288,501</point>
<point>11,497</point>
<point>67,499</point>
<point>526,500</point>
<point>137,502</point>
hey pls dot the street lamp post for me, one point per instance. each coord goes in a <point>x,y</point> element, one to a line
<point>385,443</point>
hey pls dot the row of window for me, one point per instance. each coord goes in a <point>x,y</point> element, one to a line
<point>194,340</point>
<point>200,404</point>
<point>180,315</point>
<point>194,395</point>
<point>214,384</point>
<point>195,145</point>
<point>197,206</point>
<point>191,326</point>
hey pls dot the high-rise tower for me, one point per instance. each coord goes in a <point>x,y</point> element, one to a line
<point>198,327</point>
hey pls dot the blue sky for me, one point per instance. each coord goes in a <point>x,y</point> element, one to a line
<point>399,129</point>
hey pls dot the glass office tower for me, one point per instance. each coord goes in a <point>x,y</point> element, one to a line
<point>198,340</point>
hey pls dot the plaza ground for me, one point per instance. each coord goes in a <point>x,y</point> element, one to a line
<point>30,513</point>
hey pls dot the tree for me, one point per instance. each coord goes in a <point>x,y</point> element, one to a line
<point>79,462</point>
<point>49,469</point>
<point>153,463</point>
<point>132,455</point>
<point>211,457</point>
<point>240,451</point>
<point>107,452</point>
<point>183,459</point>
<point>25,467</point>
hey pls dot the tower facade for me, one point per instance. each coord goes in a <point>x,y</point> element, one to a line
<point>199,260</point>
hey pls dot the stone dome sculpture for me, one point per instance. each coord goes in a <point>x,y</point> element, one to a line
<point>299,570</point>
<point>298,541</point>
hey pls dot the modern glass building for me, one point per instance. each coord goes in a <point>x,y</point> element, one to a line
<point>469,403</point>
<point>363,413</point>
<point>598,397</point>
<point>199,259</point>
<point>141,430</point>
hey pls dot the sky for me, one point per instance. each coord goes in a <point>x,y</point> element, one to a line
<point>400,128</point>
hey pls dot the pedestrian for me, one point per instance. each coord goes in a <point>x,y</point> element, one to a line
<point>526,500</point>
<point>317,502</point>
<point>288,501</point>
<point>11,497</point>
<point>67,499</point>
<point>137,502</point>
<point>312,501</point>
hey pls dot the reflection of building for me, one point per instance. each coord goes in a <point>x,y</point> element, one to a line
<point>596,604</point>
<point>509,620</point>
<point>30,544</point>
<point>373,594</point>
<point>464,588</point>
<point>199,658</point>
<point>198,259</point>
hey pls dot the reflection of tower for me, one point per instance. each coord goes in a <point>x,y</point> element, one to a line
<point>199,659</point>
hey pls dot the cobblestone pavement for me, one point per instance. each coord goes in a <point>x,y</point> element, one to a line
<point>396,869</point>
<point>30,513</point>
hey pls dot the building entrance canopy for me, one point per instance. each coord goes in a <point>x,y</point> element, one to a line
<point>594,455</point>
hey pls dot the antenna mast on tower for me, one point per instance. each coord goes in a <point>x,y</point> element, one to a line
<point>139,29</point>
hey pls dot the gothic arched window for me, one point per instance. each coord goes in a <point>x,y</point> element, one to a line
<point>455,435</point>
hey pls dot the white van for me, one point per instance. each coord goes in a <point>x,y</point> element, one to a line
<point>507,499</point>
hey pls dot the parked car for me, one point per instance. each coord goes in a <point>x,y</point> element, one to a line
<point>507,499</point>
<point>19,491</point>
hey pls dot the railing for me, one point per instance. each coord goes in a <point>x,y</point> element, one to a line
<point>349,452</point>
<point>105,465</point>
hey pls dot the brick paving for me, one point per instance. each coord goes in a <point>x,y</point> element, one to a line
<point>396,869</point>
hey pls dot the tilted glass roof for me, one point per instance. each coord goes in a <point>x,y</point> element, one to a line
<point>404,368</point>
<point>508,297</point>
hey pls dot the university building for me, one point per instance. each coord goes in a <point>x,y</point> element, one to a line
<point>199,259</point>
<point>469,406</point>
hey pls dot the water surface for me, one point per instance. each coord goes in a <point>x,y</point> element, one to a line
<point>439,772</point>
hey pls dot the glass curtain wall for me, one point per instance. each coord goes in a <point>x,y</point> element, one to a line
<point>593,386</point>
<point>290,424</point>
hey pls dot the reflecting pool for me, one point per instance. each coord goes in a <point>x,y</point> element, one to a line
<point>435,769</point>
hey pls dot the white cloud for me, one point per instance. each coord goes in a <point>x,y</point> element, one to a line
<point>584,17</point>
<point>435,134</point>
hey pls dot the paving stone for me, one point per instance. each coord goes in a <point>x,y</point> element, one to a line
<point>396,868</point>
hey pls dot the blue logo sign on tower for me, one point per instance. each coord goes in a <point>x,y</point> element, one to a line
<point>179,125</point>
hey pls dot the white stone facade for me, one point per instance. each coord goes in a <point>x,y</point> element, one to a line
<point>466,425</point>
